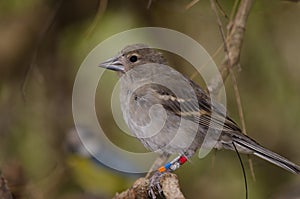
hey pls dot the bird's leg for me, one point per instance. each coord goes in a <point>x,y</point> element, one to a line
<point>162,158</point>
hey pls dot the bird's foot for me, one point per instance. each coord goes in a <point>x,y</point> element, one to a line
<point>155,190</point>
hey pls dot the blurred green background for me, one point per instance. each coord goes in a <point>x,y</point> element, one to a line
<point>55,36</point>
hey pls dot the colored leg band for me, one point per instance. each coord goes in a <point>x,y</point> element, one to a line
<point>174,164</point>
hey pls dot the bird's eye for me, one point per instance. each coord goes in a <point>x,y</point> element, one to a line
<point>133,58</point>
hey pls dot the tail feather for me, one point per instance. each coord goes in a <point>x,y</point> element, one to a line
<point>268,155</point>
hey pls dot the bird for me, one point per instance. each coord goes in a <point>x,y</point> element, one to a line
<point>153,112</point>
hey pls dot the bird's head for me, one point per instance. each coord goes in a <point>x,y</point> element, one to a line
<point>132,56</point>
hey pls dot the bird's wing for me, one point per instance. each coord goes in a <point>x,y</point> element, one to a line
<point>199,110</point>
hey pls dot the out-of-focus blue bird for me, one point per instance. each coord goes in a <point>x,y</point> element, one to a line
<point>91,174</point>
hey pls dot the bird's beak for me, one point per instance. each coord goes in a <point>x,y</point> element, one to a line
<point>113,64</point>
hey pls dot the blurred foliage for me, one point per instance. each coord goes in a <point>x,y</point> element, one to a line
<point>53,37</point>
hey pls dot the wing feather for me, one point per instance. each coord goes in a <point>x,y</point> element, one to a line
<point>199,111</point>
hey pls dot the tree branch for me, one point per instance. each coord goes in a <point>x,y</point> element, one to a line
<point>139,190</point>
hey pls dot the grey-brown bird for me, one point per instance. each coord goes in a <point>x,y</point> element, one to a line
<point>171,114</point>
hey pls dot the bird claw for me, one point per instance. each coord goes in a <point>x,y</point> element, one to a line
<point>155,188</point>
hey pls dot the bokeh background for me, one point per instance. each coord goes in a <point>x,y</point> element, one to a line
<point>42,44</point>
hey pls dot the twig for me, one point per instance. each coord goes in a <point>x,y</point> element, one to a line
<point>241,115</point>
<point>221,9</point>
<point>207,62</point>
<point>236,32</point>
<point>191,4</point>
<point>243,169</point>
<point>238,101</point>
<point>149,4</point>
<point>233,10</point>
<point>48,25</point>
<point>214,7</point>
<point>101,9</point>
<point>233,42</point>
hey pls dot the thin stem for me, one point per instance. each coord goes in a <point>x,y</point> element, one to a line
<point>243,168</point>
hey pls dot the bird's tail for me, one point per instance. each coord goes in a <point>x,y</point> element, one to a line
<point>267,154</point>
